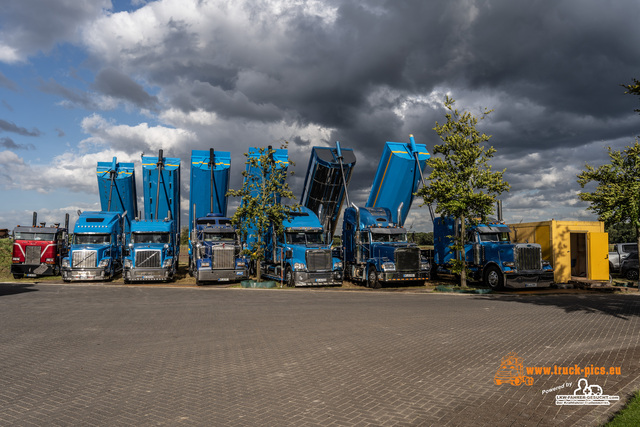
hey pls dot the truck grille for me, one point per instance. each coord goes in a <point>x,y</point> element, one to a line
<point>319,260</point>
<point>407,259</point>
<point>148,258</point>
<point>33,255</point>
<point>528,257</point>
<point>84,259</point>
<point>223,258</point>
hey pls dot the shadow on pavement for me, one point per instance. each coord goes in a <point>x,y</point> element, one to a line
<point>620,306</point>
<point>15,288</point>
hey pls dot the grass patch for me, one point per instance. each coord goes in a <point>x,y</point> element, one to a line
<point>629,416</point>
<point>6,246</point>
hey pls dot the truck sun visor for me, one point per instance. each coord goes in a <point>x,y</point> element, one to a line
<point>494,229</point>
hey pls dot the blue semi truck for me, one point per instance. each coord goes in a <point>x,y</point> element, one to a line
<point>96,250</point>
<point>215,251</point>
<point>301,255</point>
<point>375,245</point>
<point>490,256</point>
<point>153,244</point>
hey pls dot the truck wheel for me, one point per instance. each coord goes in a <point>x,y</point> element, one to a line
<point>288,278</point>
<point>18,275</point>
<point>632,274</point>
<point>372,279</point>
<point>493,278</point>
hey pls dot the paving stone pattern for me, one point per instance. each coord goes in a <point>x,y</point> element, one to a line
<point>112,355</point>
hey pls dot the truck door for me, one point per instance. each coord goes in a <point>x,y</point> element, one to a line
<point>598,256</point>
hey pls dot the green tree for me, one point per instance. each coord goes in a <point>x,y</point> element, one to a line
<point>462,183</point>
<point>260,208</point>
<point>621,232</point>
<point>617,194</point>
<point>633,89</point>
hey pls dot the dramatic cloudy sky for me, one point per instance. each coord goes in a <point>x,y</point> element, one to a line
<point>86,80</point>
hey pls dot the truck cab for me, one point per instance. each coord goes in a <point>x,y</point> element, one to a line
<point>376,250</point>
<point>217,252</point>
<point>151,251</point>
<point>38,250</point>
<point>302,256</point>
<point>96,249</point>
<point>490,255</point>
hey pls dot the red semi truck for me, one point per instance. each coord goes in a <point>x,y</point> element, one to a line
<point>38,250</point>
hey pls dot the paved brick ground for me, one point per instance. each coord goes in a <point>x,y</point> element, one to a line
<point>112,355</point>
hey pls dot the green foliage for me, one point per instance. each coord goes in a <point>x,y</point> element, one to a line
<point>617,193</point>
<point>633,89</point>
<point>462,183</point>
<point>6,246</point>
<point>259,195</point>
<point>184,236</point>
<point>422,239</point>
<point>621,232</point>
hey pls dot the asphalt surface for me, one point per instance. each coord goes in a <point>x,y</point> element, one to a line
<point>114,355</point>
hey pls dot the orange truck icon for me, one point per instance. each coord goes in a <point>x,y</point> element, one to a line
<point>511,371</point>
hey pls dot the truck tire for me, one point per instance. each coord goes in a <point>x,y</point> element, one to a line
<point>631,274</point>
<point>493,278</point>
<point>372,278</point>
<point>18,275</point>
<point>288,278</point>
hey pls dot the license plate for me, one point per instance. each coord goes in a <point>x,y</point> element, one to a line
<point>224,279</point>
<point>239,273</point>
<point>530,285</point>
<point>30,275</point>
<point>409,275</point>
<point>321,280</point>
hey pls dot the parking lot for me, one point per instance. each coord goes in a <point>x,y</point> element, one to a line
<point>96,354</point>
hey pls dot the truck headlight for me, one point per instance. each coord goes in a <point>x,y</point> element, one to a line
<point>128,263</point>
<point>15,259</point>
<point>240,264</point>
<point>337,265</point>
<point>167,263</point>
<point>298,266</point>
<point>50,260</point>
<point>509,264</point>
<point>65,263</point>
<point>388,266</point>
<point>104,263</point>
<point>204,263</point>
<point>424,266</point>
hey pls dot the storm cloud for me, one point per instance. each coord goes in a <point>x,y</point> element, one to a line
<point>231,75</point>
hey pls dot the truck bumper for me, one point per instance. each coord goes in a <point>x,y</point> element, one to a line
<point>213,275</point>
<point>331,278</point>
<point>533,279</point>
<point>88,274</point>
<point>147,274</point>
<point>33,270</point>
<point>404,276</point>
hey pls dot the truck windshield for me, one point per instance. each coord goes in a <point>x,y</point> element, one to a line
<point>379,237</point>
<point>21,235</point>
<point>306,238</point>
<point>91,239</point>
<point>150,238</point>
<point>494,237</point>
<point>220,237</point>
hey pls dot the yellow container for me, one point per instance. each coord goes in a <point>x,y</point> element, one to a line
<point>576,249</point>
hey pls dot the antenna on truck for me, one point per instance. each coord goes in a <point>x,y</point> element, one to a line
<point>414,151</point>
<point>344,179</point>
<point>113,174</point>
